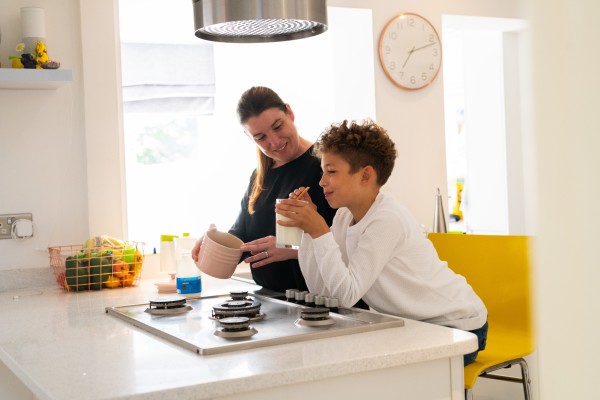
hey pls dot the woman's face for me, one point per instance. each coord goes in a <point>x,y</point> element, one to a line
<point>275,134</point>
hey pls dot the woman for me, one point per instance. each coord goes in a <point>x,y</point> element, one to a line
<point>285,162</point>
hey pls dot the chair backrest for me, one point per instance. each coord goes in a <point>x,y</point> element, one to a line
<point>497,267</point>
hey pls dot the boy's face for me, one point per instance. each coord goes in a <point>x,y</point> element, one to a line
<point>341,188</point>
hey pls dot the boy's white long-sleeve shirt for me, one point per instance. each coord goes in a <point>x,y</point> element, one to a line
<point>386,260</point>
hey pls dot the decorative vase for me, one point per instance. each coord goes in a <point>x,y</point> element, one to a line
<point>33,27</point>
<point>439,219</point>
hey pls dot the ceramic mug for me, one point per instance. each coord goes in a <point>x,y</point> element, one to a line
<point>219,254</point>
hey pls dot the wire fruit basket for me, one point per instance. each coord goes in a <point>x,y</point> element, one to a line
<point>86,267</point>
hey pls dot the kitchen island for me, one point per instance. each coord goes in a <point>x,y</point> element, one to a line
<point>62,345</point>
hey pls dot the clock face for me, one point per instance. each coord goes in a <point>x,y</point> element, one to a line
<point>410,51</point>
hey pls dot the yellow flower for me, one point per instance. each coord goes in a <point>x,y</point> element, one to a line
<point>20,47</point>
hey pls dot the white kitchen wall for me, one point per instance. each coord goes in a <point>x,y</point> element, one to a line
<point>567,94</point>
<point>42,141</point>
<point>53,187</point>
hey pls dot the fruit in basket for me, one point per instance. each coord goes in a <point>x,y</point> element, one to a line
<point>71,262</point>
<point>78,278</point>
<point>103,261</point>
<point>83,259</point>
<point>128,254</point>
<point>134,258</point>
<point>106,267</point>
<point>95,273</point>
<point>103,241</point>
<point>100,269</point>
<point>120,268</point>
<point>112,282</point>
<point>128,280</point>
<point>77,272</point>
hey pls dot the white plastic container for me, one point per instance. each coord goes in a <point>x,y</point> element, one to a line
<point>167,253</point>
<point>188,278</point>
<point>183,244</point>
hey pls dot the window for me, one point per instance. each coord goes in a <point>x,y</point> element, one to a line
<point>188,161</point>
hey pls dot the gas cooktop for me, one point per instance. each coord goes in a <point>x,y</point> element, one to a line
<point>242,320</point>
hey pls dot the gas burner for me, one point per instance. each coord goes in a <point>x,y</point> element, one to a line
<point>242,308</point>
<point>238,295</point>
<point>234,327</point>
<point>168,305</point>
<point>317,316</point>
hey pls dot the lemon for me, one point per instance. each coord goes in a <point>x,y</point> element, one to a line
<point>112,282</point>
<point>16,63</point>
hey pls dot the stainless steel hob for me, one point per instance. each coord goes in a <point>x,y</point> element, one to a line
<point>242,320</point>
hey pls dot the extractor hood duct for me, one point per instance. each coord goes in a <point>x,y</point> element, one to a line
<point>259,21</point>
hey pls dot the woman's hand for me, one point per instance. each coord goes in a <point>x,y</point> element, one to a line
<point>196,248</point>
<point>264,252</point>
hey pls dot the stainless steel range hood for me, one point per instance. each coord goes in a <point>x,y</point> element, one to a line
<point>258,21</point>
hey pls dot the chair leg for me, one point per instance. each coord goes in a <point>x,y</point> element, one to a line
<point>468,394</point>
<point>526,379</point>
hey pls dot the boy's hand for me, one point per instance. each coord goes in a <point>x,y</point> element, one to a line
<point>303,214</point>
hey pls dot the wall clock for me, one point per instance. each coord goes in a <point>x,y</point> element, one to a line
<point>410,51</point>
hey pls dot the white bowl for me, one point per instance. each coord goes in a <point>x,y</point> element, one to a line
<point>219,254</point>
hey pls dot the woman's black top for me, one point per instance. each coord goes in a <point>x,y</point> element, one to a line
<point>278,184</point>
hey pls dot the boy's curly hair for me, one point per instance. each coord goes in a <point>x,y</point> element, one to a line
<point>360,145</point>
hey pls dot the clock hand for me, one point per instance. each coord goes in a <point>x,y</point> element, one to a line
<point>408,56</point>
<point>422,47</point>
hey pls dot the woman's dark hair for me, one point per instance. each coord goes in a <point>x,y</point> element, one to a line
<point>360,145</point>
<point>256,100</point>
<point>252,103</point>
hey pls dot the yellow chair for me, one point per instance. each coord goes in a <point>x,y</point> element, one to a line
<point>497,267</point>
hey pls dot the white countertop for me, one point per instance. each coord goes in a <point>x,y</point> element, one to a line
<point>63,345</point>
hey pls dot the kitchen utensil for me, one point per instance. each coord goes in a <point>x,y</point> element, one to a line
<point>219,254</point>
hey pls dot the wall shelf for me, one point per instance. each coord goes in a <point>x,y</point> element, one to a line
<point>14,78</point>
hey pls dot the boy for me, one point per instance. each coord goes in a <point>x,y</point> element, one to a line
<point>375,249</point>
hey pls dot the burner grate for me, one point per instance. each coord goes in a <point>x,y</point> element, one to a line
<point>168,305</point>
<point>242,308</point>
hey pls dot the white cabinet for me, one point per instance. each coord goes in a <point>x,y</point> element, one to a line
<point>11,387</point>
<point>15,78</point>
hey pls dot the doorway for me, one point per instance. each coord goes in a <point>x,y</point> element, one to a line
<point>484,96</point>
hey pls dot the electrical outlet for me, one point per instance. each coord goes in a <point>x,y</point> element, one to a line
<point>7,221</point>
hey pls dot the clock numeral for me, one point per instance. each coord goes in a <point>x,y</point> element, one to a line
<point>392,65</point>
<point>413,80</point>
<point>393,35</point>
<point>431,67</point>
<point>434,51</point>
<point>424,76</point>
<point>387,50</point>
<point>431,38</point>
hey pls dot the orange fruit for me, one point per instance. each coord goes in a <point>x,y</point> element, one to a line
<point>127,280</point>
<point>120,269</point>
